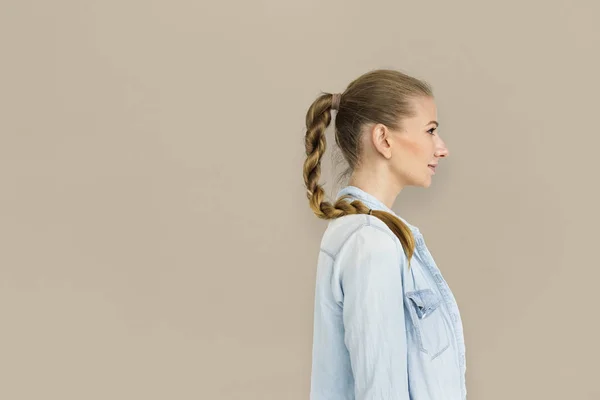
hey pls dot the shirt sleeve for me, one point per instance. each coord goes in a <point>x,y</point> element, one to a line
<point>373,314</point>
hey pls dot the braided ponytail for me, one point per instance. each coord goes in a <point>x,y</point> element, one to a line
<point>318,119</point>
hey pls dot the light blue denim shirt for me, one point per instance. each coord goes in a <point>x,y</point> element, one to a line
<point>382,331</point>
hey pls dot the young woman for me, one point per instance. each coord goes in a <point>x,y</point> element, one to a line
<point>386,325</point>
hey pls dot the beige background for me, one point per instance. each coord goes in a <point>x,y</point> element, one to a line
<point>156,241</point>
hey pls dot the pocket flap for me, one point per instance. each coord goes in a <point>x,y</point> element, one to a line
<point>425,301</point>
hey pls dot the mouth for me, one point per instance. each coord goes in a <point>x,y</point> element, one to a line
<point>432,167</point>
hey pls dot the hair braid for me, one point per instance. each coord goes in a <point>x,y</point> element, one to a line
<point>318,119</point>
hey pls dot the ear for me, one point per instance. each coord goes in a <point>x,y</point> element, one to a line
<point>380,137</point>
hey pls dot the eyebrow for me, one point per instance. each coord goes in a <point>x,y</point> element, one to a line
<point>433,122</point>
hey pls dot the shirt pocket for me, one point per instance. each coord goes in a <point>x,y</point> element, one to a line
<point>430,326</point>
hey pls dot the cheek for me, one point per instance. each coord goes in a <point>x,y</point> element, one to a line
<point>414,149</point>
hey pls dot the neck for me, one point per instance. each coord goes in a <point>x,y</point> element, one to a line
<point>377,185</point>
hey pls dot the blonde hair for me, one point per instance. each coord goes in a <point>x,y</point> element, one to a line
<point>380,96</point>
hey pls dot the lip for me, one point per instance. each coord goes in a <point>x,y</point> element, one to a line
<point>432,167</point>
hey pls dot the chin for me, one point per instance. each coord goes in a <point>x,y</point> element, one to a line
<point>425,184</point>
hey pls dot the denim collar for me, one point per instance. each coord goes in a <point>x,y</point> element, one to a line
<point>372,202</point>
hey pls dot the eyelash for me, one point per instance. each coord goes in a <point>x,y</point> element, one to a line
<point>431,130</point>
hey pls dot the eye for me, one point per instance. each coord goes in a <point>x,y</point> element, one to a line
<point>432,131</point>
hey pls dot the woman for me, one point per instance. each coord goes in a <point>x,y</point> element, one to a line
<point>386,325</point>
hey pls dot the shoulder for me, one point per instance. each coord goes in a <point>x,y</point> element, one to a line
<point>370,257</point>
<point>361,230</point>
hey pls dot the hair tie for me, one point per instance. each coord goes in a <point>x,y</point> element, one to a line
<point>335,101</point>
<point>370,210</point>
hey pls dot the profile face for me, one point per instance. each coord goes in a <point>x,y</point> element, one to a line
<point>418,146</point>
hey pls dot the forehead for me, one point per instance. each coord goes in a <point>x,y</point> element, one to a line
<point>425,109</point>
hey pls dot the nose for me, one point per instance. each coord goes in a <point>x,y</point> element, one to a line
<point>442,151</point>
